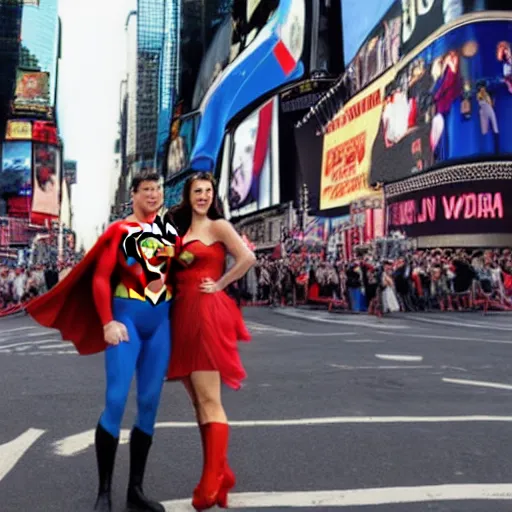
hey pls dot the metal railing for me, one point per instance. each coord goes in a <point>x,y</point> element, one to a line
<point>14,231</point>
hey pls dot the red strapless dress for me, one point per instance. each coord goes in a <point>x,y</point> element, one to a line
<point>206,327</point>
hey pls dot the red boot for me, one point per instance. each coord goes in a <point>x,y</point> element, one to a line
<point>207,492</point>
<point>229,479</point>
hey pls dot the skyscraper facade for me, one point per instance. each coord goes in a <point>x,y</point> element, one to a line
<point>10,31</point>
<point>40,52</point>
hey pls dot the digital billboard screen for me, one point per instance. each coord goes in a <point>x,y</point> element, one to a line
<point>468,207</point>
<point>254,170</point>
<point>15,178</point>
<point>450,102</point>
<point>46,179</point>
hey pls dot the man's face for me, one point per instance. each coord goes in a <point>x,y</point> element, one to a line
<point>149,197</point>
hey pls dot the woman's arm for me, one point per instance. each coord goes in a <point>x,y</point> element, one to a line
<point>244,257</point>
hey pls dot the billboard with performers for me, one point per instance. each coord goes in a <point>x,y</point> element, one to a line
<point>46,189</point>
<point>347,152</point>
<point>254,170</point>
<point>448,102</point>
<point>15,178</point>
<point>471,199</point>
<point>18,130</point>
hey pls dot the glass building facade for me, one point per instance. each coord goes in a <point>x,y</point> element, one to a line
<point>169,76</point>
<point>40,41</point>
<point>10,31</point>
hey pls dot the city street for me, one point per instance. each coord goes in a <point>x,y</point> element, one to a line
<point>406,413</point>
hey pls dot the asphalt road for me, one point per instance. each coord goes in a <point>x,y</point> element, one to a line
<point>404,414</point>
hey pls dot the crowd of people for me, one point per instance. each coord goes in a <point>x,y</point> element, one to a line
<point>417,280</point>
<point>21,283</point>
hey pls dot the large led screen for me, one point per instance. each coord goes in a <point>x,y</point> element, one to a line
<point>450,102</point>
<point>468,207</point>
<point>15,178</point>
<point>254,171</point>
<point>272,60</point>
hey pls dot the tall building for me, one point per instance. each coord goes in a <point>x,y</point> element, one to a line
<point>10,31</point>
<point>169,77</point>
<point>40,41</point>
<point>152,39</point>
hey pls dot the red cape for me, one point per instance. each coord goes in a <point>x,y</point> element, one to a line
<point>69,307</point>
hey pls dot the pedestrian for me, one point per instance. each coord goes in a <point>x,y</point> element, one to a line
<point>117,300</point>
<point>207,326</point>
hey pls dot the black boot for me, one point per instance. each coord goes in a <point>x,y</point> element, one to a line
<point>139,449</point>
<point>106,446</point>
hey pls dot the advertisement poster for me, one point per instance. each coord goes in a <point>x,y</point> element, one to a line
<point>471,207</point>
<point>347,154</point>
<point>32,91</point>
<point>254,151</point>
<point>19,130</point>
<point>451,102</point>
<point>15,178</point>
<point>46,179</point>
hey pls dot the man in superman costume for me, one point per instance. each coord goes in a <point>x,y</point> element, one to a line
<point>117,300</point>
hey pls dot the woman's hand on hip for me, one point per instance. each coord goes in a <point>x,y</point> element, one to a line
<point>208,285</point>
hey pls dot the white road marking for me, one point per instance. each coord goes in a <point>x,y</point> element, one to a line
<point>364,341</point>
<point>47,347</point>
<point>391,357</point>
<point>368,322</point>
<point>473,325</point>
<point>494,385</point>
<point>381,367</point>
<point>353,497</point>
<point>24,343</point>
<point>454,338</point>
<point>11,452</point>
<point>78,443</point>
<point>16,329</point>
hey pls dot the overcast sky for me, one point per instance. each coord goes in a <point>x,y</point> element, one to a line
<point>91,68</point>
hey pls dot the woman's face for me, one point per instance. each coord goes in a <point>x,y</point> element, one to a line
<point>201,196</point>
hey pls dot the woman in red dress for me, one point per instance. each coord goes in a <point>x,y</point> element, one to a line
<point>206,327</point>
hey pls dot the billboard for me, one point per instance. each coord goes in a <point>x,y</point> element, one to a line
<point>272,60</point>
<point>19,130</point>
<point>475,206</point>
<point>15,178</point>
<point>449,102</point>
<point>69,169</point>
<point>347,155</point>
<point>46,188</point>
<point>254,170</point>
<point>32,92</point>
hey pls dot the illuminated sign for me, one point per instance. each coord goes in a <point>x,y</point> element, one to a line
<point>19,130</point>
<point>347,153</point>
